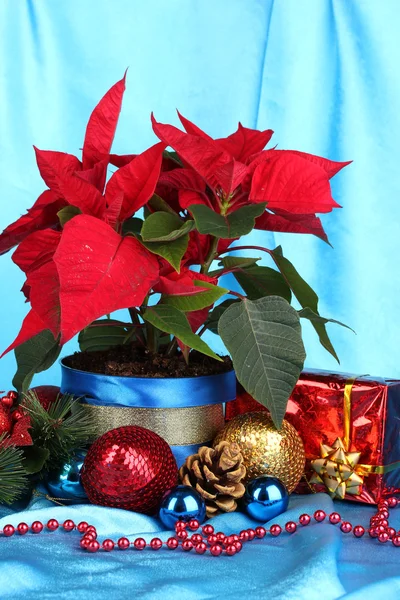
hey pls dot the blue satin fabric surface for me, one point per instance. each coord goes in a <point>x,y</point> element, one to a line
<point>316,563</point>
<point>145,392</point>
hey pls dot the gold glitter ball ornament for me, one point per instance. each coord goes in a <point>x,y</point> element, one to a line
<point>265,449</point>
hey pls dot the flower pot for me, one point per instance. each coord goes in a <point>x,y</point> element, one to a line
<point>187,412</point>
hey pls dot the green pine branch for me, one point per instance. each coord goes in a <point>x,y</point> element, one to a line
<point>61,430</point>
<point>13,477</point>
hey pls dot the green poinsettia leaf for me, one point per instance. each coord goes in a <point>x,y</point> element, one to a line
<point>264,340</point>
<point>230,262</point>
<point>132,226</point>
<point>67,213</point>
<point>157,203</point>
<point>164,227</point>
<point>173,156</point>
<point>34,356</point>
<point>196,301</point>
<point>172,251</point>
<point>307,313</point>
<point>235,224</point>
<point>258,282</point>
<point>103,334</point>
<point>216,314</point>
<point>34,458</point>
<point>305,295</point>
<point>171,320</point>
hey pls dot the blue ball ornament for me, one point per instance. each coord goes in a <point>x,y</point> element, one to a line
<point>266,497</point>
<point>182,503</point>
<point>66,484</point>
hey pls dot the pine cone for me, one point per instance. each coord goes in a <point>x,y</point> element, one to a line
<point>216,473</point>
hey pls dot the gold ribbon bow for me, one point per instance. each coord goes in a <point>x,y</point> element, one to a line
<point>338,468</point>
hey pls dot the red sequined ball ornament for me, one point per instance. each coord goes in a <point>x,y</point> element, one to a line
<point>129,467</point>
<point>46,394</point>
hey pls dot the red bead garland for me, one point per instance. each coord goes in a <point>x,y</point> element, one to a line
<point>217,543</point>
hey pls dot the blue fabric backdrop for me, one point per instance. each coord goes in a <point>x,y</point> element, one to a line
<point>322,73</point>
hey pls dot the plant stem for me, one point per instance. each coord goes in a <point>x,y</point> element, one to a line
<point>232,293</point>
<point>172,346</point>
<point>247,248</point>
<point>210,256</point>
<point>203,330</point>
<point>135,320</point>
<point>151,338</point>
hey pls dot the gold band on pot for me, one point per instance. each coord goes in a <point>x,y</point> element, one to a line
<point>178,426</point>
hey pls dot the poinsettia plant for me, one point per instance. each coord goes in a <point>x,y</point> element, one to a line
<point>146,238</point>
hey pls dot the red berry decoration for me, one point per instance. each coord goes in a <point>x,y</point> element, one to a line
<point>93,546</point>
<point>37,527</point>
<point>396,540</point>
<point>275,530</point>
<point>155,544</point>
<point>68,525</point>
<point>17,415</point>
<point>7,402</point>
<point>291,527</point>
<point>358,531</point>
<point>346,527</point>
<point>196,538</point>
<point>260,532</point>
<point>123,543</point>
<point>216,550</point>
<point>187,545</point>
<point>172,543</point>
<point>108,545</point>
<point>84,543</point>
<point>52,524</point>
<point>8,530</point>
<point>208,529</point>
<point>129,467</point>
<point>46,394</point>
<point>201,548</point>
<point>334,518</point>
<point>82,526</point>
<point>22,528</point>
<point>319,515</point>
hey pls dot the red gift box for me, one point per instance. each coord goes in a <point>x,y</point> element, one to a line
<point>350,428</point>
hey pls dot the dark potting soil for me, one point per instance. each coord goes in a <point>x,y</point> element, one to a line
<point>130,361</point>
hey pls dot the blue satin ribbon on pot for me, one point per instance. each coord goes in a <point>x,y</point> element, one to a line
<point>146,392</point>
<point>127,397</point>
